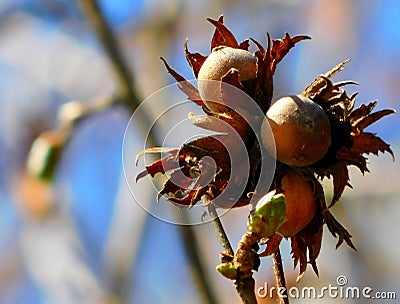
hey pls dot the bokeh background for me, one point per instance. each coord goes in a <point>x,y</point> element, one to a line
<point>83,239</point>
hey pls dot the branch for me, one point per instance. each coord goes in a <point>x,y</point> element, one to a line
<point>245,289</point>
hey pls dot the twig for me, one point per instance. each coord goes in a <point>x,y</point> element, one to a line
<point>280,277</point>
<point>219,230</point>
<point>128,96</point>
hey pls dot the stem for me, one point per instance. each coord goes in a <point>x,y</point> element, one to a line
<point>280,277</point>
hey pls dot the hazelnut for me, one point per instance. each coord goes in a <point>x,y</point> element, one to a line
<point>218,64</point>
<point>301,131</point>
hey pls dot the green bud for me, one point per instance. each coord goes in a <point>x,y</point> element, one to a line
<point>227,270</point>
<point>268,215</point>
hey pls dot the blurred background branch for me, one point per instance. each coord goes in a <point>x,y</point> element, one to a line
<point>124,79</point>
<point>128,95</point>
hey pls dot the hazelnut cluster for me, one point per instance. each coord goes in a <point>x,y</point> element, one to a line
<point>316,134</point>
